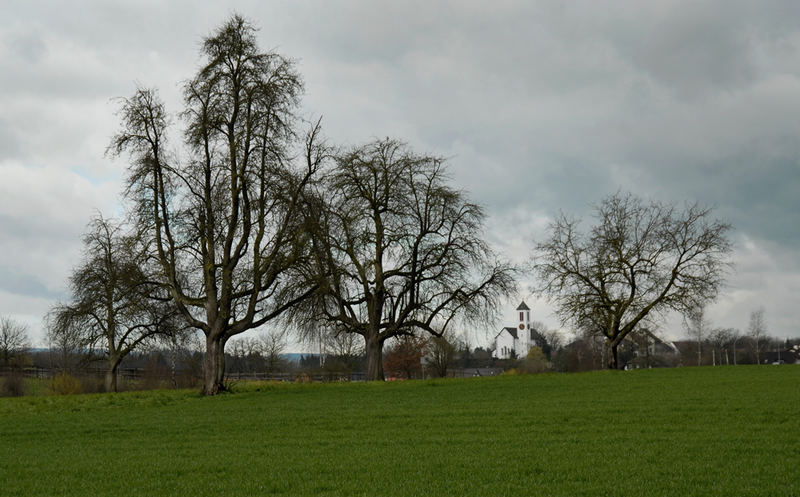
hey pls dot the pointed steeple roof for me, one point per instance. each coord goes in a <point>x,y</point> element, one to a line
<point>523,307</point>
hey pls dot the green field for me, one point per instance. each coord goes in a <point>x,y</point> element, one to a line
<point>691,431</point>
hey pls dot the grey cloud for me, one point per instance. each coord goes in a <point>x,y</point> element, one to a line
<point>692,50</point>
<point>28,46</point>
<point>25,284</point>
<point>9,143</point>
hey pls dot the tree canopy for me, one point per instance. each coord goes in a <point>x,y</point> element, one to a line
<point>639,259</point>
<point>224,214</point>
<point>399,250</point>
<point>116,303</point>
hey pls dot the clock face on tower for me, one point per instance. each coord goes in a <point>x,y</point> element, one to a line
<point>521,326</point>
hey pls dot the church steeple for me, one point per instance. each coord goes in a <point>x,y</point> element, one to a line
<point>524,316</point>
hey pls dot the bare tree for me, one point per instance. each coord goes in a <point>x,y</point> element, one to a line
<point>721,338</point>
<point>553,339</point>
<point>735,336</point>
<point>698,327</point>
<point>440,351</point>
<point>225,216</point>
<point>65,344</point>
<point>757,330</point>
<point>247,353</point>
<point>346,347</point>
<point>177,338</point>
<point>272,345</point>
<point>638,259</point>
<point>14,341</point>
<point>401,251</point>
<point>114,302</point>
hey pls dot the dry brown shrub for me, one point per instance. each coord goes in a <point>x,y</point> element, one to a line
<point>64,384</point>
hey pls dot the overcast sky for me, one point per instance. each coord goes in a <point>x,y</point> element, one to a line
<point>540,106</point>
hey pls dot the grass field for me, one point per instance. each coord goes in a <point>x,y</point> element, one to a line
<point>690,431</point>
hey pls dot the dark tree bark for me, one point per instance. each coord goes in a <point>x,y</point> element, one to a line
<point>374,354</point>
<point>639,259</point>
<point>111,373</point>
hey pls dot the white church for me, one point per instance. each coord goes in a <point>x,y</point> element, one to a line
<point>516,341</point>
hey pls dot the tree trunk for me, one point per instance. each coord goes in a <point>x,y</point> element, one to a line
<point>758,359</point>
<point>111,374</point>
<point>214,366</point>
<point>699,353</point>
<point>613,360</point>
<point>221,362</point>
<point>374,351</point>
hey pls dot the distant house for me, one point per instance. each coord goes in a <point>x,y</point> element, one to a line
<point>517,341</point>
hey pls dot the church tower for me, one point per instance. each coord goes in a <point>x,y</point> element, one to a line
<point>524,327</point>
<point>516,341</point>
<point>524,316</point>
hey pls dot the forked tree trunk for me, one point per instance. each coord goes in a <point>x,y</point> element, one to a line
<point>111,374</point>
<point>613,359</point>
<point>374,351</point>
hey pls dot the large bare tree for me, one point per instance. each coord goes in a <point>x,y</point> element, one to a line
<point>400,250</point>
<point>115,304</point>
<point>639,259</point>
<point>224,213</point>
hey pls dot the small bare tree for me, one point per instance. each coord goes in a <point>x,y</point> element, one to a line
<point>177,340</point>
<point>553,339</point>
<point>115,304</point>
<point>346,347</point>
<point>14,341</point>
<point>698,327</point>
<point>735,336</point>
<point>66,344</point>
<point>272,344</point>
<point>640,258</point>
<point>440,351</point>
<point>757,330</point>
<point>720,339</point>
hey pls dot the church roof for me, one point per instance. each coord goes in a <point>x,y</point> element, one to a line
<point>523,307</point>
<point>511,331</point>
